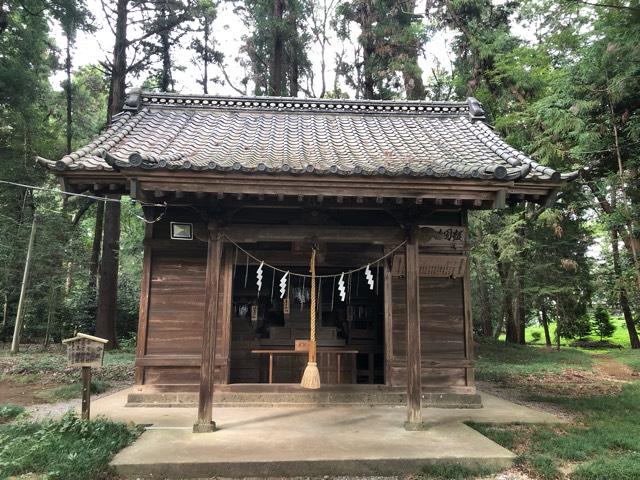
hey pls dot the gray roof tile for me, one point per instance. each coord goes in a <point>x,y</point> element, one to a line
<point>305,136</point>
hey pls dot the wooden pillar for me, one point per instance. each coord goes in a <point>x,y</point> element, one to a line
<point>468,318</point>
<point>86,393</point>
<point>143,312</point>
<point>205,421</point>
<point>388,319</point>
<point>414,382</point>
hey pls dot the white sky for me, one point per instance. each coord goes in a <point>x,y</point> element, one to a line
<point>228,30</point>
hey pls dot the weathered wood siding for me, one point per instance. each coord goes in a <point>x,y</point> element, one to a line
<point>171,326</point>
<point>442,332</point>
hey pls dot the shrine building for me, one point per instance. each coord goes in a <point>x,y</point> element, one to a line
<point>238,190</point>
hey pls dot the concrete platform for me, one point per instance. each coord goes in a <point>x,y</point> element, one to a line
<point>296,396</point>
<point>285,442</point>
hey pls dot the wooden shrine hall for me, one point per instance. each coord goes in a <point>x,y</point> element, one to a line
<point>238,190</point>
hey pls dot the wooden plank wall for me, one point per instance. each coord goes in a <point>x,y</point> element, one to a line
<point>173,327</point>
<point>442,333</point>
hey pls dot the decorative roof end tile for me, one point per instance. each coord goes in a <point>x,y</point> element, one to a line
<point>133,102</point>
<point>476,112</point>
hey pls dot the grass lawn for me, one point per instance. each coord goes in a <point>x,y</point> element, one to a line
<point>36,376</point>
<point>619,337</point>
<point>65,449</point>
<point>603,441</point>
<point>497,362</point>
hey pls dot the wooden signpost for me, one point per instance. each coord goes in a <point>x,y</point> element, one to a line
<point>85,351</point>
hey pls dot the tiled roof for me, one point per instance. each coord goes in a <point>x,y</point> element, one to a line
<point>311,136</point>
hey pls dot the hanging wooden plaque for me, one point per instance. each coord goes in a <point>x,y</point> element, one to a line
<point>443,266</point>
<point>448,237</point>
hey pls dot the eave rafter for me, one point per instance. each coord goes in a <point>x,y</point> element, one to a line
<point>275,191</point>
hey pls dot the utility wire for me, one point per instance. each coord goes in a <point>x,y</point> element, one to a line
<point>96,198</point>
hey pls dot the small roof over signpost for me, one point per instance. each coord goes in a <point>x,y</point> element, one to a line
<point>85,351</point>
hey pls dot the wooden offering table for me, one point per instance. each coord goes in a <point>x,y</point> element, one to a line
<point>338,352</point>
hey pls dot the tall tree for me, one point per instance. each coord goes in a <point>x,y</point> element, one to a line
<point>277,45</point>
<point>204,43</point>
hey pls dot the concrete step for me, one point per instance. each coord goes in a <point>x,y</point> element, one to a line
<point>301,398</point>
<point>312,442</point>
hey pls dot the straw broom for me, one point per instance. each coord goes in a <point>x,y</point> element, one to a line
<point>311,377</point>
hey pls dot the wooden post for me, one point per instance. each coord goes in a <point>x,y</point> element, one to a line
<point>17,330</point>
<point>205,421</point>
<point>468,319</point>
<point>414,383</point>
<point>86,393</point>
<point>143,312</point>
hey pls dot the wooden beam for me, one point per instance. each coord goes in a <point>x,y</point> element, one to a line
<point>388,319</point>
<point>336,233</point>
<point>205,421</point>
<point>414,353</point>
<point>143,311</point>
<point>468,319</point>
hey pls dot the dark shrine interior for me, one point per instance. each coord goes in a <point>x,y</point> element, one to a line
<point>264,322</point>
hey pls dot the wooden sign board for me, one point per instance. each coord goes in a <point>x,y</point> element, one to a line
<point>443,266</point>
<point>85,350</point>
<point>302,345</point>
<point>443,236</point>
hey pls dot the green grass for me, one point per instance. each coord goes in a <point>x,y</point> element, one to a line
<point>628,357</point>
<point>9,412</point>
<point>619,337</point>
<point>32,367</point>
<point>453,472</point>
<point>498,362</point>
<point>605,439</point>
<point>70,391</point>
<point>69,448</point>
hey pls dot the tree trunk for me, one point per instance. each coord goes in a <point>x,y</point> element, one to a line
<point>17,331</point>
<point>50,313</point>
<point>511,329</point>
<point>277,52</point>
<point>368,49</point>
<point>544,319</point>
<point>412,73</point>
<point>95,247</point>
<point>483,300</point>
<point>108,285</point>
<point>68,95</point>
<point>166,82</point>
<point>521,311</point>
<point>205,58</point>
<point>119,63</point>
<point>510,320</point>
<point>622,292</point>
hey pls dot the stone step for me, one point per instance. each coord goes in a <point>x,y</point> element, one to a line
<point>303,399</point>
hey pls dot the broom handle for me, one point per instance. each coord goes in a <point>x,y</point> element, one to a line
<point>312,343</point>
